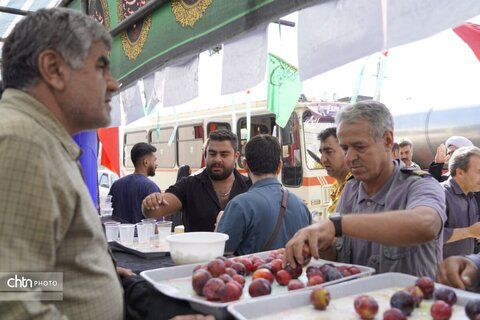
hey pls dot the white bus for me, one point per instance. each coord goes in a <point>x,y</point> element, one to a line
<point>179,140</point>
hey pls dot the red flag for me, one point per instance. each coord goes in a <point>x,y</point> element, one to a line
<point>110,150</point>
<point>470,33</point>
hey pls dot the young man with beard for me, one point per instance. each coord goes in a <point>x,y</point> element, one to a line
<point>128,192</point>
<point>333,159</point>
<point>202,196</point>
<point>390,218</point>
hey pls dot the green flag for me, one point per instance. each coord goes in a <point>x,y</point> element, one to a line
<point>284,88</point>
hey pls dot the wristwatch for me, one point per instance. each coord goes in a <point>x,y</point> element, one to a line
<point>337,223</point>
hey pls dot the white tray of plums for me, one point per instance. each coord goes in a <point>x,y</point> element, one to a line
<point>212,286</point>
<point>389,296</point>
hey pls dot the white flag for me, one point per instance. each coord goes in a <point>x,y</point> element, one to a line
<point>116,112</point>
<point>411,20</point>
<point>245,61</point>
<point>150,97</point>
<point>181,82</point>
<point>132,103</point>
<point>334,33</point>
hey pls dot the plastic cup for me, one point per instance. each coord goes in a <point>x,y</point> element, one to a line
<point>106,211</point>
<point>105,205</point>
<point>151,226</point>
<point>164,229</point>
<point>111,230</point>
<point>126,232</point>
<point>143,232</point>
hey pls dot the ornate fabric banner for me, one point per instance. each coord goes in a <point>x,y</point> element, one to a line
<point>134,38</point>
<point>187,12</point>
<point>179,29</point>
<point>99,10</point>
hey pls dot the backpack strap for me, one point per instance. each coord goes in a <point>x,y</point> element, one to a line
<point>281,214</point>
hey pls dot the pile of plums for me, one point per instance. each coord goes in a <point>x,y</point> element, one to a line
<point>403,302</point>
<point>223,279</point>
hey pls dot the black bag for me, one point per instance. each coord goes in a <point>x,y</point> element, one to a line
<point>144,302</point>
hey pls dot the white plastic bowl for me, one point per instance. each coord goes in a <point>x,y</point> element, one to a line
<point>193,247</point>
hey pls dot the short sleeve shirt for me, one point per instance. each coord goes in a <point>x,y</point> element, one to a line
<point>127,196</point>
<point>462,212</point>
<point>200,205</point>
<point>402,191</point>
<point>250,218</point>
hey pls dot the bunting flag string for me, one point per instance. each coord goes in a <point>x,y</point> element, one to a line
<point>358,83</point>
<point>380,74</point>
<point>249,115</point>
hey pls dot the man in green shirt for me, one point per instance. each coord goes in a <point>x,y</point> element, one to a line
<point>57,81</point>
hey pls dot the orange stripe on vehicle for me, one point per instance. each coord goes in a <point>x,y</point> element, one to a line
<point>317,181</point>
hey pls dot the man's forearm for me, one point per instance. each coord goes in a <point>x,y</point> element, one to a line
<point>394,227</point>
<point>459,234</point>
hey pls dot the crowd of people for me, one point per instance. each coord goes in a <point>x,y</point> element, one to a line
<point>425,227</point>
<point>385,212</point>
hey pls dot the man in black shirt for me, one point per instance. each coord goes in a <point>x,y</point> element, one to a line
<point>201,197</point>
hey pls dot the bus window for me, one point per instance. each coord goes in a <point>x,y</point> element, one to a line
<point>166,154</point>
<point>131,138</point>
<point>259,125</point>
<point>212,126</point>
<point>319,117</point>
<point>190,143</point>
<point>291,156</point>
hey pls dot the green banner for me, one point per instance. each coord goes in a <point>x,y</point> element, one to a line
<point>180,28</point>
<point>284,89</point>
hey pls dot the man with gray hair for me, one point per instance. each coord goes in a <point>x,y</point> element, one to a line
<point>390,218</point>
<point>462,226</point>
<point>57,81</point>
<point>406,153</point>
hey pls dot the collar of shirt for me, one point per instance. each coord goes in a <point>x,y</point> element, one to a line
<point>380,196</point>
<point>25,103</point>
<point>337,188</point>
<point>456,188</point>
<point>265,182</point>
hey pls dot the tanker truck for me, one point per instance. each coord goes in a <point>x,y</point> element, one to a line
<point>428,129</point>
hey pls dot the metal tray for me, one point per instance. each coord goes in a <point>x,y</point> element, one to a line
<point>296,305</point>
<point>153,249</point>
<point>176,282</point>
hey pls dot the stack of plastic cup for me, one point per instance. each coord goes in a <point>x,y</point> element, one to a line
<point>111,230</point>
<point>106,206</point>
